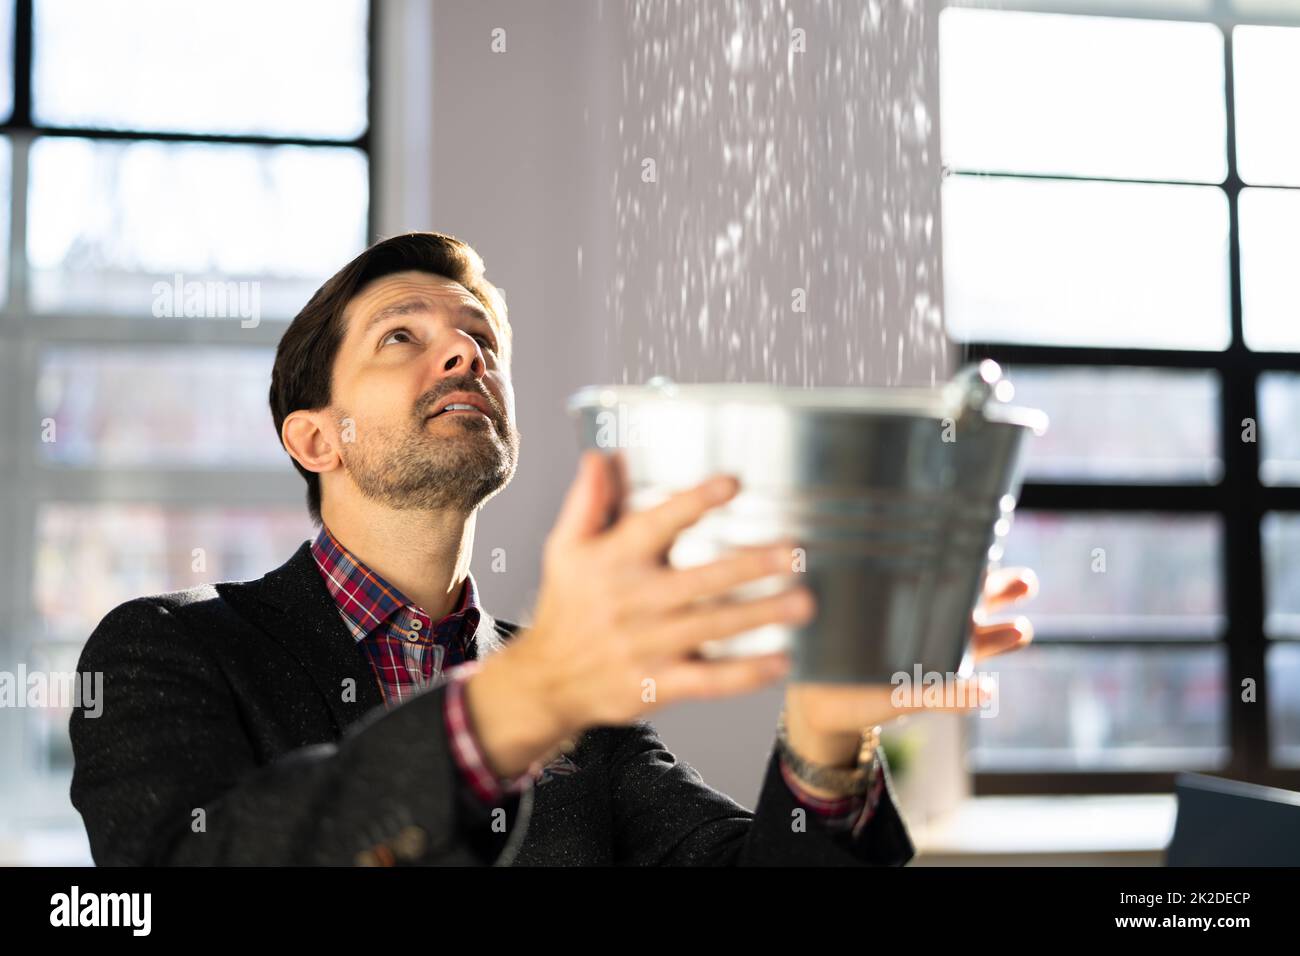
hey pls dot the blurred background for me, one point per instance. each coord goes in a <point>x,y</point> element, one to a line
<point>1099,194</point>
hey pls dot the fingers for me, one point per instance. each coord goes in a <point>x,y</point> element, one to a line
<point>964,695</point>
<point>622,484</point>
<point>721,678</point>
<point>989,640</point>
<point>1007,585</point>
<point>841,708</point>
<point>838,708</point>
<point>673,589</point>
<point>587,505</point>
<point>684,632</point>
<point>971,693</point>
<point>651,532</point>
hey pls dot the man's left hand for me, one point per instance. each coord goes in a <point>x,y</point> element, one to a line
<point>825,721</point>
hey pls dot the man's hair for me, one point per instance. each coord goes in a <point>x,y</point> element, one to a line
<point>304,359</point>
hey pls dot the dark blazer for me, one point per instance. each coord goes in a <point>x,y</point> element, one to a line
<point>242,725</point>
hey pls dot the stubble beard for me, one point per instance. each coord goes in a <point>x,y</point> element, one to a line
<point>456,464</point>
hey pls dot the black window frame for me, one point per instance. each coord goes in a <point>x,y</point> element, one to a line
<point>23,760</point>
<point>1239,499</point>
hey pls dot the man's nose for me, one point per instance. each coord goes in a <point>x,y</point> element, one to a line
<point>461,357</point>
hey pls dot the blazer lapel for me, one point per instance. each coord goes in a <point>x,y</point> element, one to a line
<point>295,610</point>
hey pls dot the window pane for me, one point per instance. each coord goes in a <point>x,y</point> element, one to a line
<point>112,225</point>
<point>48,746</point>
<point>1281,534</point>
<point>6,58</point>
<point>289,68</point>
<point>1279,8</point>
<point>1284,703</point>
<point>1110,576</point>
<point>1270,282</point>
<point>1062,708</point>
<point>1087,96</point>
<point>1093,264</point>
<point>1112,6</point>
<point>1266,72</point>
<point>1279,438</point>
<point>1122,424</point>
<point>102,418</point>
<point>118,552</point>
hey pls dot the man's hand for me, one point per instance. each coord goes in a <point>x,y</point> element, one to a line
<point>825,721</point>
<point>616,628</point>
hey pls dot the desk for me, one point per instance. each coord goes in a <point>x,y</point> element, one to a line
<point>1129,830</point>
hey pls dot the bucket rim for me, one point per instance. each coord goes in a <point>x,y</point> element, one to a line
<point>905,401</point>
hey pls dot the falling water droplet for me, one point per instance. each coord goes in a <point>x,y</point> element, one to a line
<point>791,232</point>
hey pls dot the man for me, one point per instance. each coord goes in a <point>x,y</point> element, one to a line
<point>357,705</point>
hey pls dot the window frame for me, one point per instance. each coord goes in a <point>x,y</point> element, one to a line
<point>1240,499</point>
<point>39,794</point>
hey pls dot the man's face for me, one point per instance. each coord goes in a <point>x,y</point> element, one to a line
<point>414,343</point>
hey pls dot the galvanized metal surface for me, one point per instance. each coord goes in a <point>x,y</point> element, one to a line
<point>897,499</point>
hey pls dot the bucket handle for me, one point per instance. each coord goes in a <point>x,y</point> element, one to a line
<point>974,387</point>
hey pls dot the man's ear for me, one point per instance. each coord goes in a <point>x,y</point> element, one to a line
<point>308,438</point>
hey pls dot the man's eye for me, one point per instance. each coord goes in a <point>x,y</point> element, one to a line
<point>486,340</point>
<point>384,340</point>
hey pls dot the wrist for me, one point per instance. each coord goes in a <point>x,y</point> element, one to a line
<point>829,776</point>
<point>833,749</point>
<point>516,730</point>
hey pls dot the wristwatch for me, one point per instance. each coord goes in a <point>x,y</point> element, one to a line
<point>846,781</point>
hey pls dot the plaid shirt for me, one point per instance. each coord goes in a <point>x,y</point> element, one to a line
<point>409,652</point>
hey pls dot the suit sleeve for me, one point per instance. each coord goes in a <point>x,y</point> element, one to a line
<point>839,812</point>
<point>166,775</point>
<point>476,778</point>
<point>665,814</point>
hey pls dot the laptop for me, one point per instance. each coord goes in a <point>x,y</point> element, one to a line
<point>1229,823</point>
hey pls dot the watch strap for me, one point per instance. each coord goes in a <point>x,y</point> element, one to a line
<point>846,781</point>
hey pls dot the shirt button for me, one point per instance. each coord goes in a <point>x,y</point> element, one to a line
<point>417,624</point>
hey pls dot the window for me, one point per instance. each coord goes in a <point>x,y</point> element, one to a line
<point>175,181</point>
<point>1121,180</point>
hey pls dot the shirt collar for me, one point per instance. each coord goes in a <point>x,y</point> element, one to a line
<point>367,601</point>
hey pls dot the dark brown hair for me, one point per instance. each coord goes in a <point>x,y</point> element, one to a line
<point>304,359</point>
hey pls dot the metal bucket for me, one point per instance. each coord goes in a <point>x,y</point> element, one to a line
<point>898,499</point>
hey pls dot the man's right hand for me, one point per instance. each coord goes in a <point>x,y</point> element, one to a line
<point>616,627</point>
